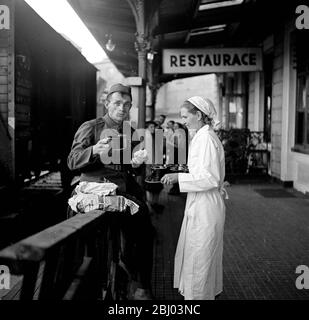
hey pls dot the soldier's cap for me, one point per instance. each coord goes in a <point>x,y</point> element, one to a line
<point>118,87</point>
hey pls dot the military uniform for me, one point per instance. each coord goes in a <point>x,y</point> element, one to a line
<point>137,228</point>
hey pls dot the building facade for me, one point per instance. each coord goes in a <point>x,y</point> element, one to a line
<point>276,102</point>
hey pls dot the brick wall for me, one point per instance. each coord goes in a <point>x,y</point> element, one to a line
<point>6,92</point>
<point>4,51</point>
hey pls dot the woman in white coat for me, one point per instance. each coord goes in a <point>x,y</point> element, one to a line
<point>198,259</point>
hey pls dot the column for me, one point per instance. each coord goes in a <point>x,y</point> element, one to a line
<point>142,46</point>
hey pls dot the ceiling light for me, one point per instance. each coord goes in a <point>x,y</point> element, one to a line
<point>150,56</point>
<point>110,45</point>
<point>206,5</point>
<point>205,30</point>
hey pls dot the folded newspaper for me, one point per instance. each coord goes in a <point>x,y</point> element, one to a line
<point>98,188</point>
<point>99,196</point>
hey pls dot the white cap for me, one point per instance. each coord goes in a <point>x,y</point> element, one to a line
<point>205,105</point>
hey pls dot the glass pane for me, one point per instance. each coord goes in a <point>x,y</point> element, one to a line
<point>301,97</point>
<point>300,127</point>
<point>306,105</point>
<point>307,128</point>
<point>239,113</point>
<point>232,113</point>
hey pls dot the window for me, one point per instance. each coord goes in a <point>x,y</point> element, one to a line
<point>302,98</point>
<point>301,110</point>
<point>268,79</point>
<point>235,101</point>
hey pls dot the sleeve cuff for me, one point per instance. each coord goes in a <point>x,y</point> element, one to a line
<point>89,156</point>
<point>182,177</point>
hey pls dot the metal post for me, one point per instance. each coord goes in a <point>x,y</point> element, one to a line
<point>142,46</point>
<point>142,64</point>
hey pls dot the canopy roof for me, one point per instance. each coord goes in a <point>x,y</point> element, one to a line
<point>181,24</point>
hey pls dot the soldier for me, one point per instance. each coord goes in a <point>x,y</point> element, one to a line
<point>89,147</point>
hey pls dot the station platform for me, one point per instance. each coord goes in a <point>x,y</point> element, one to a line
<point>266,238</point>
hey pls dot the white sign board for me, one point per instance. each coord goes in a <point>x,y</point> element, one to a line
<point>212,60</point>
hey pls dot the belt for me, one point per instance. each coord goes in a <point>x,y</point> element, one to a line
<point>115,167</point>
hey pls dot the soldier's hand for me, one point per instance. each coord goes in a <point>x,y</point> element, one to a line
<point>102,146</point>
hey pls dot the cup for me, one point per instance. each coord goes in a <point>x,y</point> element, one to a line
<point>119,142</point>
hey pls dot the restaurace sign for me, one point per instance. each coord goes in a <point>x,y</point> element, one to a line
<point>4,17</point>
<point>211,60</point>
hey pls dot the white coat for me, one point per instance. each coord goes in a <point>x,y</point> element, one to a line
<point>198,259</point>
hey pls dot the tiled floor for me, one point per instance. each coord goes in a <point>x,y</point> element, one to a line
<point>167,225</point>
<point>265,239</point>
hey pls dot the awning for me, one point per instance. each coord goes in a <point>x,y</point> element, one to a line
<point>181,24</point>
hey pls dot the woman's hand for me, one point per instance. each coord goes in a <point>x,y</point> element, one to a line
<point>170,178</point>
<point>135,164</point>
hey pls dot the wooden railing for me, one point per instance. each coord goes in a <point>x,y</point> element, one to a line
<point>75,259</point>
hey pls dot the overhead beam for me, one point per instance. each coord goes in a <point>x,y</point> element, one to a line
<point>116,8</point>
<point>178,25</point>
<point>111,24</point>
<point>201,20</point>
<point>124,41</point>
<point>129,58</point>
<point>194,11</point>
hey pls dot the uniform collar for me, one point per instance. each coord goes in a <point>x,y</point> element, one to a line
<point>205,128</point>
<point>110,123</point>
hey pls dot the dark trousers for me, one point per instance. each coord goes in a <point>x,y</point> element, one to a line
<point>138,234</point>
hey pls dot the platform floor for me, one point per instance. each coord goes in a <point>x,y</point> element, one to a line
<point>266,238</point>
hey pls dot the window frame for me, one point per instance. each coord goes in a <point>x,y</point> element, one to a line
<point>304,146</point>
